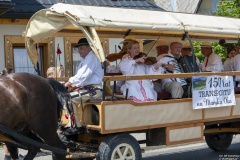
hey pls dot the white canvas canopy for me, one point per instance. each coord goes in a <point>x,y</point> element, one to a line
<point>94,21</point>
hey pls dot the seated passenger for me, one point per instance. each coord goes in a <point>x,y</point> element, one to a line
<point>186,51</point>
<point>90,72</point>
<point>116,56</point>
<point>228,63</point>
<point>173,85</point>
<point>162,50</point>
<point>212,61</point>
<point>236,67</point>
<point>138,90</point>
<point>53,72</point>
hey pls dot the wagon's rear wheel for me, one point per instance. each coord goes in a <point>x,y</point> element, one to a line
<point>219,141</point>
<point>122,146</point>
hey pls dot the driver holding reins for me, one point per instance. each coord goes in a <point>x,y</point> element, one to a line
<point>89,77</point>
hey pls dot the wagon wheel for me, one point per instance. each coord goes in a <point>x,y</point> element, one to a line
<point>119,147</point>
<point>219,141</point>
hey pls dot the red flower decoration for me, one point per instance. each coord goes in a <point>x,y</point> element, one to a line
<point>58,50</point>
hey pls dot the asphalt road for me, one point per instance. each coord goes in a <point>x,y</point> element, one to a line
<point>193,151</point>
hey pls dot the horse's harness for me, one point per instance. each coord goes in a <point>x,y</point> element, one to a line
<point>89,89</point>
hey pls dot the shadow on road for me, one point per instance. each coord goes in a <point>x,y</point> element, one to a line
<point>233,153</point>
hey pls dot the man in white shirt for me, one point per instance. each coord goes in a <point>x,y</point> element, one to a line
<point>212,61</point>
<point>173,85</point>
<point>89,75</point>
<point>90,70</point>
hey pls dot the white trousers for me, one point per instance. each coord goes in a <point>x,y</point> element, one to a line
<point>174,88</point>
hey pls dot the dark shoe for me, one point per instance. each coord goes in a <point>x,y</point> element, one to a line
<point>7,157</point>
<point>73,131</point>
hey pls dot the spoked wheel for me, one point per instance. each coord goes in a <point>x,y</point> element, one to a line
<point>120,147</point>
<point>219,141</point>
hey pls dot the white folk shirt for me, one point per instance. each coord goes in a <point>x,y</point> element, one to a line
<point>138,90</point>
<point>90,71</point>
<point>214,63</point>
<point>228,64</point>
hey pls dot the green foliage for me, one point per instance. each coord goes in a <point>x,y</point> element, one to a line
<point>221,51</point>
<point>227,8</point>
<point>197,50</point>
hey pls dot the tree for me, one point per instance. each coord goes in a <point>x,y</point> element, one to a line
<point>226,8</point>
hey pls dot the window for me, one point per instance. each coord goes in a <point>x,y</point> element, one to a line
<point>22,62</point>
<point>16,56</point>
<point>76,60</point>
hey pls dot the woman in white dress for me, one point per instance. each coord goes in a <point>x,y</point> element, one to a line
<point>228,64</point>
<point>138,90</point>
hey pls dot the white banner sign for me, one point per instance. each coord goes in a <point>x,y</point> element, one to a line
<point>212,91</point>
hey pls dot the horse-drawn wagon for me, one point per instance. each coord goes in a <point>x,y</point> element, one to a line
<point>109,121</point>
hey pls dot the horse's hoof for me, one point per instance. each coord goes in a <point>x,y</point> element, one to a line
<point>7,157</point>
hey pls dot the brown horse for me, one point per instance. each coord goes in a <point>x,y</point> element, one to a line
<point>32,105</point>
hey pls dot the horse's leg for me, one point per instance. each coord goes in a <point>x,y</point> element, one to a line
<point>32,152</point>
<point>56,142</point>
<point>13,150</point>
<point>50,137</point>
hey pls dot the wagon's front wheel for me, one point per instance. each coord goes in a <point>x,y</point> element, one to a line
<point>119,147</point>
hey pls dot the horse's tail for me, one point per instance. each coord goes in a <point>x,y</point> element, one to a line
<point>63,96</point>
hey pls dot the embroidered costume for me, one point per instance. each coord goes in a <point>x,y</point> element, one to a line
<point>138,90</point>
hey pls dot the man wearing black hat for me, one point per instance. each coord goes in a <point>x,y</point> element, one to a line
<point>89,76</point>
<point>90,69</point>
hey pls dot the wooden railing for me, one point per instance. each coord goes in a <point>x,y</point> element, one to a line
<point>163,76</point>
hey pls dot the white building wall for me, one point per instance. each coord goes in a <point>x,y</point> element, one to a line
<point>8,30</point>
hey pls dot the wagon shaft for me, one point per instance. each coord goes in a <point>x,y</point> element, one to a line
<point>81,155</point>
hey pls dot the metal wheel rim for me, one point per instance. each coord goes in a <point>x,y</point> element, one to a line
<point>123,151</point>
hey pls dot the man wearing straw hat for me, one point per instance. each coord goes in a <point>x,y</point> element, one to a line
<point>115,56</point>
<point>186,51</point>
<point>173,85</point>
<point>212,61</point>
<point>162,48</point>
